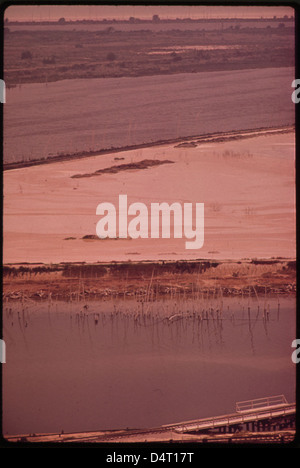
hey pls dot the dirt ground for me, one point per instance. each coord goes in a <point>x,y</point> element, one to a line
<point>147,281</point>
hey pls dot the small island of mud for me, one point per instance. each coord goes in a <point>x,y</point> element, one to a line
<point>124,167</point>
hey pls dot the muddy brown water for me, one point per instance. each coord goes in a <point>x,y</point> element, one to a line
<point>80,115</point>
<point>109,364</point>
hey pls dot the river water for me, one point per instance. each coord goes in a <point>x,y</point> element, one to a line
<point>43,120</point>
<point>118,363</point>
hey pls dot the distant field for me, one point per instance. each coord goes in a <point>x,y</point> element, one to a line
<point>46,55</point>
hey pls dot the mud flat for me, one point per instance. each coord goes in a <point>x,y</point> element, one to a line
<point>247,186</point>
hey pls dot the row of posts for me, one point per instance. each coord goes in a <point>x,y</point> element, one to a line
<point>261,426</point>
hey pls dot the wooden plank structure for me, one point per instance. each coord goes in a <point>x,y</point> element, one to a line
<point>262,420</point>
<point>263,414</point>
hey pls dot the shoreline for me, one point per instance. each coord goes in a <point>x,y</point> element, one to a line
<point>205,138</point>
<point>209,68</point>
<point>149,281</point>
<point>160,434</point>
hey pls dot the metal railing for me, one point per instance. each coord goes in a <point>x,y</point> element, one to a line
<point>259,403</point>
<point>235,419</point>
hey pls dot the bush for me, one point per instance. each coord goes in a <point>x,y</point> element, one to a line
<point>26,54</point>
<point>111,56</point>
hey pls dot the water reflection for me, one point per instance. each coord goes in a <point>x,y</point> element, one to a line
<point>88,365</point>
